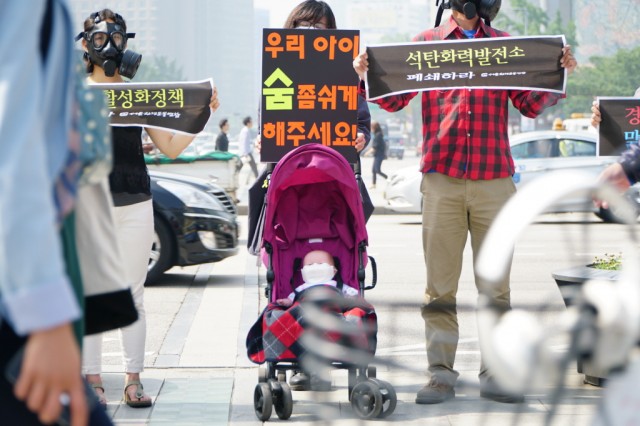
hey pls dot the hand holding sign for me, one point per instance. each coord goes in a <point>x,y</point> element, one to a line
<point>568,61</point>
<point>596,117</point>
<point>361,65</point>
<point>214,103</point>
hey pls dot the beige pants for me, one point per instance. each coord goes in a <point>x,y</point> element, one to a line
<point>452,209</point>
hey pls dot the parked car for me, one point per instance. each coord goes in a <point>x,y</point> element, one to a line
<point>395,148</point>
<point>217,165</point>
<point>534,153</point>
<point>195,222</point>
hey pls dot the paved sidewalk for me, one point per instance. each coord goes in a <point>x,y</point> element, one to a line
<point>198,374</point>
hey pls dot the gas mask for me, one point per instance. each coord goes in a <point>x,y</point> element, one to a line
<point>106,44</point>
<point>486,9</point>
<point>318,273</point>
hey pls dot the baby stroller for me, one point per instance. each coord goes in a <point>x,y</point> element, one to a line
<point>313,203</point>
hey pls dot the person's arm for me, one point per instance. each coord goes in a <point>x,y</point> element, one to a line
<point>34,288</point>
<point>630,163</point>
<point>622,174</point>
<point>172,144</point>
<point>37,298</point>
<point>364,124</point>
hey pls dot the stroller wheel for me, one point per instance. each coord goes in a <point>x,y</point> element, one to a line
<point>389,398</point>
<point>352,377</point>
<point>372,372</point>
<point>262,401</point>
<point>366,400</point>
<point>283,402</point>
<point>262,375</point>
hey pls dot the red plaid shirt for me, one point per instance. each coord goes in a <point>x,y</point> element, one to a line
<point>465,130</point>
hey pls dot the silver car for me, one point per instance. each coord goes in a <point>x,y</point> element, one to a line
<point>535,153</point>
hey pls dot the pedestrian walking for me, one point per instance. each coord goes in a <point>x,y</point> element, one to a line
<point>222,141</point>
<point>246,140</point>
<point>379,152</point>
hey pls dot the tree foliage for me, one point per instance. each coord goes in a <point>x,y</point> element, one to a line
<point>616,75</point>
<point>529,19</point>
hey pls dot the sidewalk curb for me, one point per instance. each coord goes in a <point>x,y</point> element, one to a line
<point>243,209</point>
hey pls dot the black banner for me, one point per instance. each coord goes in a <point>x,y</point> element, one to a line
<point>620,126</point>
<point>522,63</point>
<point>179,106</point>
<point>309,91</point>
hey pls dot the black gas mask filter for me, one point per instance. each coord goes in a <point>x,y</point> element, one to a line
<point>106,44</point>
<point>486,9</point>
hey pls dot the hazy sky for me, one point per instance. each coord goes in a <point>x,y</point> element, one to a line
<point>280,9</point>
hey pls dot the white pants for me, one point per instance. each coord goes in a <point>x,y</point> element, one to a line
<point>134,233</point>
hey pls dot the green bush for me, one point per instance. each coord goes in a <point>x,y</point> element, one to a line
<point>610,262</point>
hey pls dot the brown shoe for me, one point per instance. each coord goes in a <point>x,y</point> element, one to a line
<point>300,381</point>
<point>435,393</point>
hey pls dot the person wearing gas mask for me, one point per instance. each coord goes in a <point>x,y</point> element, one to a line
<point>107,59</point>
<point>467,177</point>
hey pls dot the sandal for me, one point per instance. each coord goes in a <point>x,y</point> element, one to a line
<point>139,395</point>
<point>102,399</point>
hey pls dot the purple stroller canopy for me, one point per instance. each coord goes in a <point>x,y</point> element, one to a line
<point>313,202</point>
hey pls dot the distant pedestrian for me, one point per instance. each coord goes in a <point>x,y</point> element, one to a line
<point>222,141</point>
<point>245,140</point>
<point>379,151</point>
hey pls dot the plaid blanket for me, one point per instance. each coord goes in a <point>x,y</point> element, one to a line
<point>280,331</point>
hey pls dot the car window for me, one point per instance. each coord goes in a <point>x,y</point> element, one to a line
<point>541,148</point>
<point>576,148</point>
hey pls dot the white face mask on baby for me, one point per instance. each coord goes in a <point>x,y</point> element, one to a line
<point>317,273</point>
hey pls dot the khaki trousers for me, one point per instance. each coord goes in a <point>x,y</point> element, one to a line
<point>452,209</point>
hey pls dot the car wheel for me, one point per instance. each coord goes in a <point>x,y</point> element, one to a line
<point>161,250</point>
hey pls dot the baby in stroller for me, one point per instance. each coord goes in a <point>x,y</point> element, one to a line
<point>313,244</point>
<point>318,268</point>
<point>278,334</point>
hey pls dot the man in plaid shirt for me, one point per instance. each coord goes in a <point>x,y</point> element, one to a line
<point>467,177</point>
